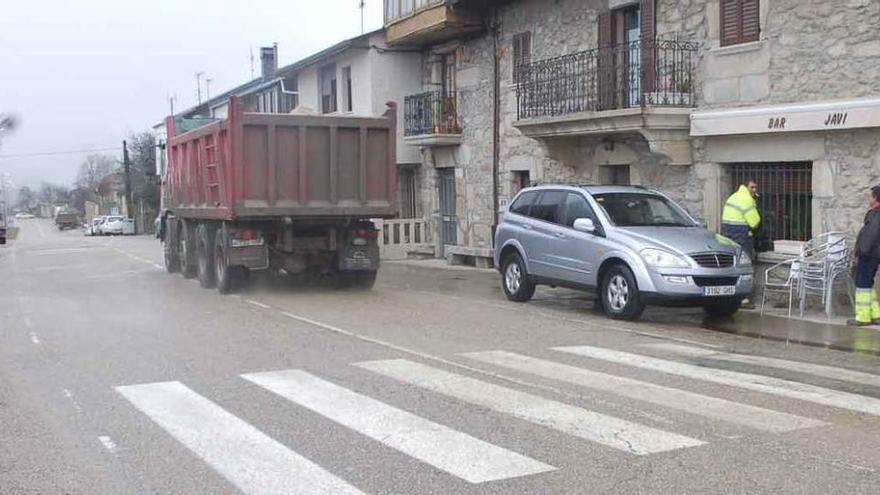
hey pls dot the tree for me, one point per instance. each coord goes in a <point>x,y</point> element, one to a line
<point>53,193</point>
<point>142,158</point>
<point>93,169</point>
<point>27,199</point>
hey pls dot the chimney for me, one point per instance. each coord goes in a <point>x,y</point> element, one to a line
<point>269,60</point>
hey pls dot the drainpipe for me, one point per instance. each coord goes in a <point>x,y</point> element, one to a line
<point>496,119</point>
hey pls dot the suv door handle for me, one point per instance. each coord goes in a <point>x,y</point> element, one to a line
<point>526,226</point>
<point>560,235</point>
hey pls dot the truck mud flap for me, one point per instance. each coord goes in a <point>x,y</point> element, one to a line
<point>251,257</point>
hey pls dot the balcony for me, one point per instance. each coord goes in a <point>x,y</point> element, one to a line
<point>639,87</point>
<point>431,119</point>
<point>424,22</point>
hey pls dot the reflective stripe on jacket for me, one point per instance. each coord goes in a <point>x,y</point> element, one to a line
<point>741,209</point>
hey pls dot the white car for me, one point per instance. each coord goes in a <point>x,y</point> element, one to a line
<point>23,215</point>
<point>113,225</point>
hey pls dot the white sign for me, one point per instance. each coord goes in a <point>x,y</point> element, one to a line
<point>824,116</point>
<point>114,210</point>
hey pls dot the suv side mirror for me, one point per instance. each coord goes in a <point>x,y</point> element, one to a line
<point>585,225</point>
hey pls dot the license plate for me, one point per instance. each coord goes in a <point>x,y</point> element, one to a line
<point>722,290</point>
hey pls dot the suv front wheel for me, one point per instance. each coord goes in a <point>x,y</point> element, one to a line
<point>620,295</point>
<point>515,280</point>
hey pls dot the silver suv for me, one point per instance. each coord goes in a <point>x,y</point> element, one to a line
<point>630,245</point>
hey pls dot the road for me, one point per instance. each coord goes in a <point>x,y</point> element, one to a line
<point>118,378</point>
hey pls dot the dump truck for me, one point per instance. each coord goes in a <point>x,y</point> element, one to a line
<point>66,220</point>
<point>286,193</point>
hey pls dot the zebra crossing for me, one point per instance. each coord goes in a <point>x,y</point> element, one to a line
<point>256,463</point>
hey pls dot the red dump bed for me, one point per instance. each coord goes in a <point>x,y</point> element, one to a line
<point>257,165</point>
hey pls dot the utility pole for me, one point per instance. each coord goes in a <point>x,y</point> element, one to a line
<point>171,103</point>
<point>361,6</point>
<point>208,88</point>
<point>126,166</point>
<point>199,85</point>
<point>252,63</point>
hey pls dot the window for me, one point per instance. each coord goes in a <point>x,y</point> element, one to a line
<point>547,206</point>
<point>406,7</point>
<point>740,21</point>
<point>522,52</point>
<point>642,210</point>
<point>328,89</point>
<point>616,175</point>
<point>785,199</point>
<point>406,178</point>
<point>521,180</point>
<point>346,89</point>
<point>576,206</point>
<point>447,75</point>
<point>523,203</point>
<point>391,11</point>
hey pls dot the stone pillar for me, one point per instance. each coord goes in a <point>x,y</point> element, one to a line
<point>712,175</point>
<point>823,191</point>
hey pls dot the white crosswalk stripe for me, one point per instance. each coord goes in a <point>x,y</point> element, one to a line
<point>246,457</point>
<point>444,448</point>
<point>821,370</point>
<point>760,383</point>
<point>606,430</point>
<point>712,407</point>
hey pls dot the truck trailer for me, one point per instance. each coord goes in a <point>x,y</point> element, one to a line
<point>282,192</point>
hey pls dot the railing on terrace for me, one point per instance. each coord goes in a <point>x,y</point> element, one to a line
<point>627,75</point>
<point>432,112</point>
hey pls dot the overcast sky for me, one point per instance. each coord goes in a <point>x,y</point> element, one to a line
<point>85,74</point>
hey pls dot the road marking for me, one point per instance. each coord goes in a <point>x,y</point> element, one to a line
<point>842,374</point>
<point>760,383</point>
<point>158,266</point>
<point>72,399</point>
<point>258,304</point>
<point>589,425</point>
<point>245,456</point>
<point>711,407</point>
<point>446,449</point>
<point>27,322</point>
<point>51,252</point>
<point>34,338</point>
<point>108,443</point>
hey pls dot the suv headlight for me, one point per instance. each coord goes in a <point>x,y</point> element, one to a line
<point>744,259</point>
<point>663,259</point>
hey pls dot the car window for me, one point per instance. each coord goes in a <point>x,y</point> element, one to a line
<point>576,206</point>
<point>523,202</point>
<point>547,206</point>
<point>642,210</point>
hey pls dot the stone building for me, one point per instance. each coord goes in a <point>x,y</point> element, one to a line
<point>685,96</point>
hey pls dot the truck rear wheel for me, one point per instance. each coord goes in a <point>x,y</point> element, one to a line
<point>186,253</point>
<point>172,265</point>
<point>364,280</point>
<point>205,256</point>
<point>227,278</point>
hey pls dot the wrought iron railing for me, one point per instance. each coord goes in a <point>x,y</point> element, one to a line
<point>627,75</point>
<point>433,112</point>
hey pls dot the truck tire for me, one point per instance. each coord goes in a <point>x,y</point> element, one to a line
<point>363,280</point>
<point>619,294</point>
<point>186,253</point>
<point>172,265</point>
<point>205,256</point>
<point>228,279</point>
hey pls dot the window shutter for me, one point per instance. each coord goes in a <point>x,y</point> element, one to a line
<point>731,22</point>
<point>605,62</point>
<point>751,22</point>
<point>522,48</point>
<point>648,50</point>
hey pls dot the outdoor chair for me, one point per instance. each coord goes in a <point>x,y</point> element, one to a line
<point>785,284</point>
<point>824,262</point>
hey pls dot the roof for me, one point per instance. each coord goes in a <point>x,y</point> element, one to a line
<point>290,69</point>
<point>596,188</point>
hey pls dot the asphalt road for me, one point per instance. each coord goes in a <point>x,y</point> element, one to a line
<point>118,378</point>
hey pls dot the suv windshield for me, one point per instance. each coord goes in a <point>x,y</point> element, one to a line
<point>642,210</point>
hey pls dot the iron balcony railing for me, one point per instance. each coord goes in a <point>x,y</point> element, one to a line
<point>627,75</point>
<point>432,112</point>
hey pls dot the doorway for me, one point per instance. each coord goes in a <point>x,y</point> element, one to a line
<point>448,216</point>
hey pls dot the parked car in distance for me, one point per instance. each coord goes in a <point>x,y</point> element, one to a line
<point>94,228</point>
<point>23,215</point>
<point>113,225</point>
<point>629,245</point>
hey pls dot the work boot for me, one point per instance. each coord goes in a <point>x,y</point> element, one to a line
<point>857,323</point>
<point>747,304</point>
<point>864,301</point>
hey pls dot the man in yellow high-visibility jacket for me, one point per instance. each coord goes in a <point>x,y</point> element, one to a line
<point>740,219</point>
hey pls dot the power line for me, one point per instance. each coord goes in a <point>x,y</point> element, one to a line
<point>50,153</point>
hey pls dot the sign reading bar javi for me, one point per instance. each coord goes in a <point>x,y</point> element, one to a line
<point>849,114</point>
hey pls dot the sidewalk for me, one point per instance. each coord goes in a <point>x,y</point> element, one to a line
<point>814,330</point>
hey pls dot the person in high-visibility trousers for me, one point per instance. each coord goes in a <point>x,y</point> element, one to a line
<point>868,253</point>
<point>739,220</point>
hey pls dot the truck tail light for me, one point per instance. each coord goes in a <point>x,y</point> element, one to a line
<point>362,236</point>
<point>246,237</point>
